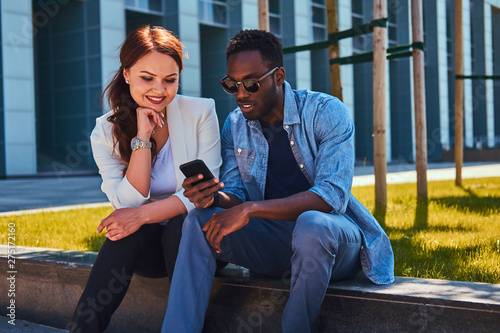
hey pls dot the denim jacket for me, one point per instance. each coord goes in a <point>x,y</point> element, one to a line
<point>321,134</point>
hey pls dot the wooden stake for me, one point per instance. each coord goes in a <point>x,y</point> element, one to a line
<point>379,105</point>
<point>333,50</point>
<point>459,95</point>
<point>419,96</point>
<point>264,15</point>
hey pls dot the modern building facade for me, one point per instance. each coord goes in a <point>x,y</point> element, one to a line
<point>57,56</point>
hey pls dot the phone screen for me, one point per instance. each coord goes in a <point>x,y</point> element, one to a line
<point>194,168</point>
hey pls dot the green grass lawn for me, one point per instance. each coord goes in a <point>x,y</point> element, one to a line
<point>454,235</point>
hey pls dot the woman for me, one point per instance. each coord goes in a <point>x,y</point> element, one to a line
<point>138,147</point>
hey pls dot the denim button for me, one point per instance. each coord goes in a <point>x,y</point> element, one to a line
<point>302,166</point>
<point>292,143</point>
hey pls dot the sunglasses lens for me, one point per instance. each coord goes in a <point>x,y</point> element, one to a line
<point>229,86</point>
<point>251,86</point>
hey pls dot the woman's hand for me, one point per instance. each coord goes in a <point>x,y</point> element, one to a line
<point>121,223</point>
<point>147,120</point>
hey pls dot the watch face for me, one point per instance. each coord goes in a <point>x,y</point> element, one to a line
<point>134,143</point>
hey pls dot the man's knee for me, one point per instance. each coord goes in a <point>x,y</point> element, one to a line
<point>314,227</point>
<point>310,224</point>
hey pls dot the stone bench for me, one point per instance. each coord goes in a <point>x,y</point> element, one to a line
<point>49,282</point>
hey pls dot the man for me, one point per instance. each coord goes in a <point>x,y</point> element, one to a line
<point>284,203</point>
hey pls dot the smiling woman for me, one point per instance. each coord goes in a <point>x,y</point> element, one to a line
<point>138,147</point>
<point>151,61</point>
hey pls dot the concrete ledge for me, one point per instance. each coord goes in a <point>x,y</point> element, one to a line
<point>49,283</point>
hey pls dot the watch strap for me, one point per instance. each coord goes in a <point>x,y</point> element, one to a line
<point>136,144</point>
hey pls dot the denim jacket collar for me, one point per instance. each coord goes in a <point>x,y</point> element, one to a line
<point>291,116</point>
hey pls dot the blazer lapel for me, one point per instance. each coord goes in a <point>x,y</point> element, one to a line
<point>177,139</point>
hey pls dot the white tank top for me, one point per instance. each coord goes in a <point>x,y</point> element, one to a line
<point>163,182</point>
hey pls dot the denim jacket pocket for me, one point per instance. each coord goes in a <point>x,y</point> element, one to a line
<point>244,159</point>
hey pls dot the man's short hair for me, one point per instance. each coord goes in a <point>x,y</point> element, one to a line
<point>266,43</point>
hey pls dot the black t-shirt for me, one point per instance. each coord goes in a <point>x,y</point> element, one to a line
<point>284,177</point>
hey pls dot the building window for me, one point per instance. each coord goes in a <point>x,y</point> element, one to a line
<point>275,17</point>
<point>358,18</point>
<point>392,27</point>
<point>213,12</point>
<point>319,24</point>
<point>450,32</point>
<point>472,39</point>
<point>149,6</point>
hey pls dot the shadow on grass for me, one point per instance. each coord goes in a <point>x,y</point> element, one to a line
<point>433,228</point>
<point>95,242</point>
<point>414,258</point>
<point>379,214</point>
<point>421,215</point>
<point>471,203</point>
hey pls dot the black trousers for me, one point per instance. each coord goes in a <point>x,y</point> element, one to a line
<point>151,252</point>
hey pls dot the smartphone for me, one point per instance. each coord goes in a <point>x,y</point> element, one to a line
<point>194,168</point>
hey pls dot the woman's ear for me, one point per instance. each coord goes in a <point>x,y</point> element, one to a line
<point>280,76</point>
<point>126,74</point>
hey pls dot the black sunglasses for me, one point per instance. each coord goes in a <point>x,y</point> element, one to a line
<point>251,86</point>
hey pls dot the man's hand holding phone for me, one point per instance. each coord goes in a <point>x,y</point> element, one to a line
<point>200,186</point>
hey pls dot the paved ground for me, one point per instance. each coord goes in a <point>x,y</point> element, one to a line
<point>46,192</point>
<point>22,326</point>
<point>30,193</point>
<point>405,173</point>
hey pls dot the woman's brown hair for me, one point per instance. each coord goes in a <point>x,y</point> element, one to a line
<point>138,43</point>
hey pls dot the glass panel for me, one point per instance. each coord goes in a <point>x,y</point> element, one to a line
<point>393,12</point>
<point>319,34</point>
<point>201,10</point>
<point>155,5</point>
<point>319,15</point>
<point>357,6</point>
<point>69,74</point>
<point>359,44</point>
<point>319,2</point>
<point>219,14</point>
<point>69,46</point>
<point>274,25</point>
<point>358,41</point>
<point>274,6</point>
<point>94,71</point>
<point>393,33</point>
<point>93,7</point>
<point>213,12</point>
<point>94,42</point>
<point>143,4</point>
<point>130,3</point>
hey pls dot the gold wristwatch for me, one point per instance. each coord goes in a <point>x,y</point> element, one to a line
<point>136,144</point>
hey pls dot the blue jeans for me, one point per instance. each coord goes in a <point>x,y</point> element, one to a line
<point>316,249</point>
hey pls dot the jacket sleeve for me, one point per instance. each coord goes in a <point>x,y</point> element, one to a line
<point>208,145</point>
<point>117,188</point>
<point>334,132</point>
<point>230,174</point>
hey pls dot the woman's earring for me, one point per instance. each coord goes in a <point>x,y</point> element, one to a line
<point>126,81</point>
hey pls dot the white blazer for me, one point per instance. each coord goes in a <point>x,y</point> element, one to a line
<point>194,133</point>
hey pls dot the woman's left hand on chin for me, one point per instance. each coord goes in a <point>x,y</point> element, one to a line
<point>121,223</point>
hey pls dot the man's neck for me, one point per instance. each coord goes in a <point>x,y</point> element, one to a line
<point>277,113</point>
